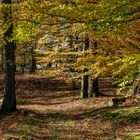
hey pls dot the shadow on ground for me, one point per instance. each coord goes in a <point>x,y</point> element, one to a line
<point>49,110</point>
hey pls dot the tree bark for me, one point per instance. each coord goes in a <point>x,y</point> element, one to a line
<point>94,88</point>
<point>85,78</point>
<point>9,101</point>
<point>2,67</point>
<point>84,86</point>
<point>32,61</point>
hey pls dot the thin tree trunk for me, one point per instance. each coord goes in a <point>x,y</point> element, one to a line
<point>32,61</point>
<point>85,78</point>
<point>9,101</point>
<point>94,88</point>
<point>2,67</point>
<point>84,86</point>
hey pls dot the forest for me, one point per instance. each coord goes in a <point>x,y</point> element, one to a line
<point>70,70</point>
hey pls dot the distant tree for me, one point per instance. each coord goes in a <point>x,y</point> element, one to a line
<point>85,77</point>
<point>94,88</point>
<point>32,60</point>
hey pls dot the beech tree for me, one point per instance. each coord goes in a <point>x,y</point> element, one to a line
<point>103,21</point>
<point>85,77</point>
<point>9,101</point>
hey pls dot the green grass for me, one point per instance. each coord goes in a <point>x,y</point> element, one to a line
<point>137,137</point>
<point>23,131</point>
<point>54,113</point>
<point>23,101</point>
<point>30,120</point>
<point>122,113</point>
<point>109,138</point>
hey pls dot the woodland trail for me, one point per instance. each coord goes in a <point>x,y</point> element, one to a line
<point>49,110</point>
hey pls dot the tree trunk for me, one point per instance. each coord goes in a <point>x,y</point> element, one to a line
<point>32,61</point>
<point>94,88</point>
<point>85,78</point>
<point>84,86</point>
<point>9,101</point>
<point>74,85</point>
<point>2,67</point>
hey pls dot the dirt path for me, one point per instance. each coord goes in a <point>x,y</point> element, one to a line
<point>49,110</point>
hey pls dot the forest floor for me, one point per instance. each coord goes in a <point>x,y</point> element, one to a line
<point>49,110</point>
